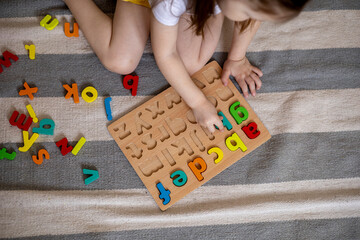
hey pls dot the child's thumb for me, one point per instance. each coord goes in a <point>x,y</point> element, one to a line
<point>225,77</point>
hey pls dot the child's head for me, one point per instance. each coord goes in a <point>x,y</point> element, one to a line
<point>263,10</point>
<point>245,11</point>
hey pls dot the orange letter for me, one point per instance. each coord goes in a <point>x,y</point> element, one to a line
<point>41,158</point>
<point>75,32</point>
<point>73,90</point>
<point>198,166</point>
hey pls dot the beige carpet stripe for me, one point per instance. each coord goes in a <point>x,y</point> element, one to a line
<point>305,32</point>
<point>281,112</point>
<point>68,212</point>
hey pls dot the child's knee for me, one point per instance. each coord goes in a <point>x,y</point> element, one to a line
<point>121,65</point>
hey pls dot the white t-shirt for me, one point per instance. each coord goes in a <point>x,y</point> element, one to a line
<point>168,12</point>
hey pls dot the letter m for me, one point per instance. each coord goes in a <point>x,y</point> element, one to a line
<point>6,62</point>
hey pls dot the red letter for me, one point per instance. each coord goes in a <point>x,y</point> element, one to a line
<point>63,146</point>
<point>6,62</point>
<point>251,130</point>
<point>20,122</point>
<point>133,86</point>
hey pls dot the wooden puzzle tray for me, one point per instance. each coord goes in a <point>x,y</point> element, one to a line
<point>171,153</point>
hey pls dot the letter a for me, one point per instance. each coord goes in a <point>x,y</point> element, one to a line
<point>251,130</point>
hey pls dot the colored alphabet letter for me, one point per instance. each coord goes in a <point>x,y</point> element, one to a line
<point>45,22</point>
<point>133,87</point>
<point>31,49</point>
<point>75,32</point>
<point>198,166</point>
<point>72,91</point>
<point>9,156</point>
<point>42,153</point>
<point>225,121</point>
<point>89,94</point>
<point>28,142</point>
<point>32,113</point>
<point>78,146</point>
<point>164,194</point>
<point>94,175</point>
<point>20,122</point>
<point>63,145</point>
<point>6,62</point>
<point>218,151</point>
<point>108,108</point>
<point>49,130</point>
<point>251,130</point>
<point>179,178</point>
<point>235,112</point>
<point>28,91</point>
<point>238,143</point>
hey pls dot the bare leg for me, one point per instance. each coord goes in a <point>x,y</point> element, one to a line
<point>120,42</point>
<point>194,50</point>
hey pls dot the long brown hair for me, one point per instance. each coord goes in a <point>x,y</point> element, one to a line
<point>281,10</point>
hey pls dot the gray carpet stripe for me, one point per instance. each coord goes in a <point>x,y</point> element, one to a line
<point>19,8</point>
<point>275,161</point>
<point>283,71</point>
<point>343,228</point>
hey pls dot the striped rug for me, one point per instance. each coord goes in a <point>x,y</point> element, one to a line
<point>302,184</point>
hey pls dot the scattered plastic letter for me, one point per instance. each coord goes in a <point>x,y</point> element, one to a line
<point>42,153</point>
<point>133,87</point>
<point>89,90</point>
<point>32,113</point>
<point>28,91</point>
<point>28,142</point>
<point>72,91</point>
<point>20,122</point>
<point>63,145</point>
<point>4,154</point>
<point>45,22</point>
<point>78,146</point>
<point>45,131</point>
<point>108,108</point>
<point>75,32</point>
<point>31,49</point>
<point>94,173</point>
<point>6,62</point>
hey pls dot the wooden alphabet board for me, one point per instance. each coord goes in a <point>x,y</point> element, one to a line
<point>171,153</point>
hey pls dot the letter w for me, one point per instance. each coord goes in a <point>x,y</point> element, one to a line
<point>6,62</point>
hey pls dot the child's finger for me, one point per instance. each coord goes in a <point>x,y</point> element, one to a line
<point>220,125</point>
<point>257,71</point>
<point>257,80</point>
<point>251,84</point>
<point>225,77</point>
<point>211,128</point>
<point>244,88</point>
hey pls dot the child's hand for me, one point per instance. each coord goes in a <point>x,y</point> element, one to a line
<point>245,74</point>
<point>206,115</point>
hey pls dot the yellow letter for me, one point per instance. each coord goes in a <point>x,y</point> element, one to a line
<point>237,140</point>
<point>28,142</point>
